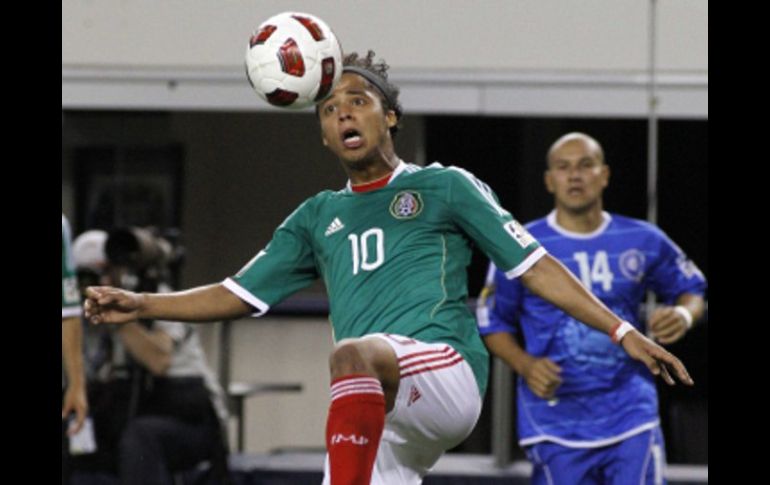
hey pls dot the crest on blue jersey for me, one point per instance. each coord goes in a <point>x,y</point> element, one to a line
<point>406,204</point>
<point>631,264</point>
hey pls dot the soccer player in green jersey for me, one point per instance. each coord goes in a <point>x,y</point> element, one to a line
<point>409,369</point>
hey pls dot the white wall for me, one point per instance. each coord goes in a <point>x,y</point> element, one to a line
<point>579,35</point>
<point>499,57</point>
<point>285,350</point>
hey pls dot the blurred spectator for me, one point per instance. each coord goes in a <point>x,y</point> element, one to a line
<point>73,388</point>
<point>157,408</point>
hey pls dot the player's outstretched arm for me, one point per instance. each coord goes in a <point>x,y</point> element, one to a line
<point>550,280</point>
<point>656,358</point>
<point>105,304</point>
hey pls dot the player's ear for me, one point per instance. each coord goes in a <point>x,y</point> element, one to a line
<point>324,140</point>
<point>547,178</point>
<point>391,118</point>
<point>605,175</point>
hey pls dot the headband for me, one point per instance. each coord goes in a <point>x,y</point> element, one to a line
<point>375,79</point>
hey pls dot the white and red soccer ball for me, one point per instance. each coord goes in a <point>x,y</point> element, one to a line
<point>293,60</point>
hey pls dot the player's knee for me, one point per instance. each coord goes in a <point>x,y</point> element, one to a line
<point>348,358</point>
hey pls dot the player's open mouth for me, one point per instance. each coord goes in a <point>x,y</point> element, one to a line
<point>352,139</point>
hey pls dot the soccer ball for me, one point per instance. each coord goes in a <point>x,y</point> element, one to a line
<point>293,60</point>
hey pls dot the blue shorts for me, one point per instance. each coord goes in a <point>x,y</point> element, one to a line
<point>638,460</point>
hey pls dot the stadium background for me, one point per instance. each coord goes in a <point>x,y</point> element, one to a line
<point>159,126</point>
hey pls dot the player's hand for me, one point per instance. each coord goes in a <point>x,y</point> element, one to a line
<point>656,358</point>
<point>75,402</point>
<point>543,376</point>
<point>105,304</point>
<point>667,326</point>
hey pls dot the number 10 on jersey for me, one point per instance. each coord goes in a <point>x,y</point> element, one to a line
<point>360,247</point>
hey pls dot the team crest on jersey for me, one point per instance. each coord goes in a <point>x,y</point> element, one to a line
<point>631,264</point>
<point>406,205</point>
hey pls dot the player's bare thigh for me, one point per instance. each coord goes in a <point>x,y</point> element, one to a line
<point>372,357</point>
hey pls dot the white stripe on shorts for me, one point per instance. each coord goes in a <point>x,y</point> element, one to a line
<point>431,357</point>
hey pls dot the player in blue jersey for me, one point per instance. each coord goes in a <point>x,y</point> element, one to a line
<point>408,370</point>
<point>587,413</point>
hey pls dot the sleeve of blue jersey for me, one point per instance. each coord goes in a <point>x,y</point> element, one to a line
<point>672,273</point>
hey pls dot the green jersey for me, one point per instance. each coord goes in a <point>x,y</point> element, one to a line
<point>70,296</point>
<point>394,260</point>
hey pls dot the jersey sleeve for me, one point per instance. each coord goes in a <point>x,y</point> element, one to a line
<point>284,266</point>
<point>479,214</point>
<point>672,273</point>
<point>70,295</point>
<point>498,306</point>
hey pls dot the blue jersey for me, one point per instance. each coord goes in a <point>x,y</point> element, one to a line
<point>605,395</point>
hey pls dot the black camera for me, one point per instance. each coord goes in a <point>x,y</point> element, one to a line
<point>134,258</point>
<point>138,248</point>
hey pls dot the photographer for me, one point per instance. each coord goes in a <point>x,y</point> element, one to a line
<point>155,404</point>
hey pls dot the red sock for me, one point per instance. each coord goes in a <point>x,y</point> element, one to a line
<point>354,428</point>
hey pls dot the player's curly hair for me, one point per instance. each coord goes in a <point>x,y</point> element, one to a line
<point>377,76</point>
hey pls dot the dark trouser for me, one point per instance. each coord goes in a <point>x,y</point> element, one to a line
<point>151,448</point>
<point>174,430</point>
